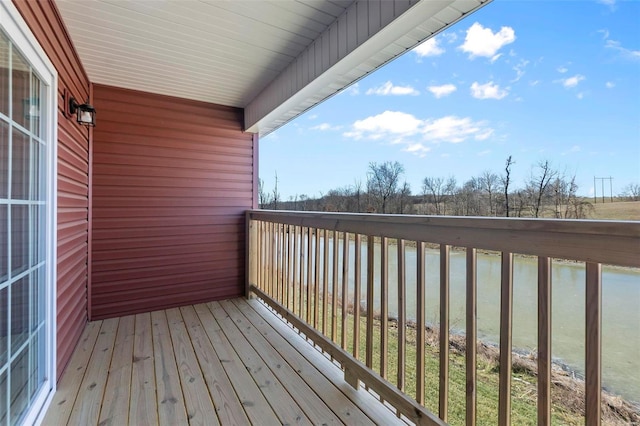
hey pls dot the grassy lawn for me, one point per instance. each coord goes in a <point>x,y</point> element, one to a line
<point>523,393</point>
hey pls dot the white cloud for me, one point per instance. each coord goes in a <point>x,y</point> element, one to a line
<point>388,123</point>
<point>353,90</point>
<point>624,52</point>
<point>481,41</point>
<point>325,126</point>
<point>443,90</point>
<point>429,48</point>
<point>312,116</point>
<point>450,37</point>
<point>401,128</point>
<point>610,85</point>
<point>572,81</point>
<point>495,57</point>
<point>483,153</point>
<point>580,95</point>
<point>519,69</point>
<point>487,91</point>
<point>418,148</point>
<point>534,83</point>
<point>562,70</point>
<point>389,89</point>
<point>455,129</point>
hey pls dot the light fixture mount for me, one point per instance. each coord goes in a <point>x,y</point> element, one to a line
<point>85,113</point>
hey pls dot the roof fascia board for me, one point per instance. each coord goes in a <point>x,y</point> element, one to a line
<point>344,46</point>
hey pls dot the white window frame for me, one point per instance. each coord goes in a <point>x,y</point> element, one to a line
<point>20,34</point>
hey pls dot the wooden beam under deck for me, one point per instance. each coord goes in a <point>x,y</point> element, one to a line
<point>230,362</point>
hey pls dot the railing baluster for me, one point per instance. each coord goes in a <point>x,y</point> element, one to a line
<point>345,288</point>
<point>444,332</point>
<point>290,276</point>
<point>370,276</point>
<point>334,292</point>
<point>544,341</point>
<point>421,321</point>
<point>270,260</point>
<point>296,256</point>
<point>274,260</point>
<point>309,272</point>
<point>356,296</point>
<point>301,272</point>
<point>384,305</point>
<point>316,281</point>
<point>402,315</point>
<point>593,352</point>
<point>279,282</point>
<point>506,326</point>
<point>325,281</point>
<point>259,264</point>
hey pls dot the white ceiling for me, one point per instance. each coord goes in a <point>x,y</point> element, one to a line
<point>223,52</point>
<point>252,54</point>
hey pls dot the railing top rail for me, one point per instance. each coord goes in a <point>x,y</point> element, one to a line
<point>599,241</point>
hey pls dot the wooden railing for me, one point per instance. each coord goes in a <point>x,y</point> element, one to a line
<point>299,264</point>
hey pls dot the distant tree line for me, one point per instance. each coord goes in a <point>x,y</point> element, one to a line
<point>547,192</point>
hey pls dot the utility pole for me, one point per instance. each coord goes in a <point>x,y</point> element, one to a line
<point>595,190</point>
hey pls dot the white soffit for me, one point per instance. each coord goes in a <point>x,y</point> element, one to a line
<point>274,58</point>
<point>223,52</point>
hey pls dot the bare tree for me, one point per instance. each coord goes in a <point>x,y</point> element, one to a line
<point>632,191</point>
<point>382,181</point>
<point>357,190</point>
<point>539,184</point>
<point>276,195</point>
<point>404,197</point>
<point>263,196</point>
<point>489,183</point>
<point>433,191</point>
<point>506,180</point>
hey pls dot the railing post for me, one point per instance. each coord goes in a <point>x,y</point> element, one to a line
<point>593,355</point>
<point>471,339</point>
<point>544,341</point>
<point>444,332</point>
<point>251,258</point>
<point>506,326</point>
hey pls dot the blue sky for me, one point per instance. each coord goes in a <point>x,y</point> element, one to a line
<point>537,80</point>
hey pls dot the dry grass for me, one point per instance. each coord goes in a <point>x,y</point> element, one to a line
<point>618,210</point>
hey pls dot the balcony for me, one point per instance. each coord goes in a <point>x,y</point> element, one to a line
<point>307,352</point>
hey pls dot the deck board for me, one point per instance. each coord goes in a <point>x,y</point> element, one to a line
<point>95,378</point>
<point>115,405</point>
<point>337,401</point>
<point>143,408</point>
<point>171,408</point>
<point>230,362</point>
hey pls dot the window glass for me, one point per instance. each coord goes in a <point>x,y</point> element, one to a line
<point>4,159</point>
<point>4,75</point>
<point>20,88</point>
<point>19,386</point>
<point>4,322</point>
<point>20,166</point>
<point>19,239</point>
<point>19,313</point>
<point>4,245</point>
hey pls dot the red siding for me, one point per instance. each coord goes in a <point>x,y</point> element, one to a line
<point>73,162</point>
<point>171,181</point>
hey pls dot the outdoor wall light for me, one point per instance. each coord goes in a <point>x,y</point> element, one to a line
<point>86,114</point>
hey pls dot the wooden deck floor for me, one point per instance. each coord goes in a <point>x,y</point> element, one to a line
<point>230,362</point>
